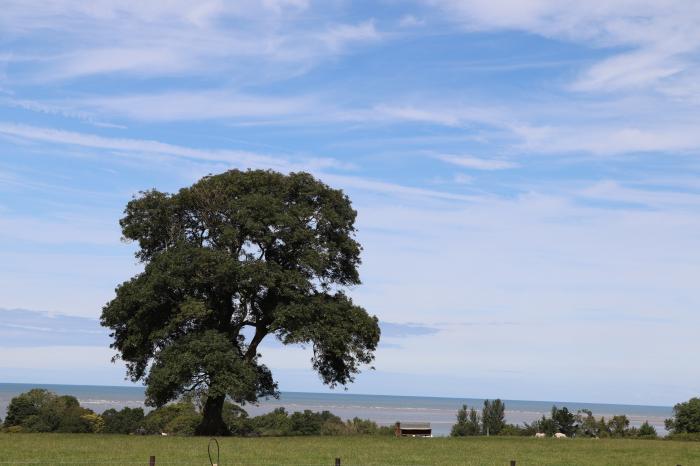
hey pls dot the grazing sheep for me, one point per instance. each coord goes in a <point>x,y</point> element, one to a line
<point>540,435</point>
<point>559,435</point>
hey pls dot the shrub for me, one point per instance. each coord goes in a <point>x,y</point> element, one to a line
<point>237,420</point>
<point>126,421</point>
<point>493,417</point>
<point>685,436</point>
<point>177,418</point>
<point>468,423</point>
<point>94,421</point>
<point>686,417</point>
<point>646,430</point>
<point>276,423</point>
<point>618,426</point>
<point>362,427</point>
<point>514,430</point>
<point>39,410</point>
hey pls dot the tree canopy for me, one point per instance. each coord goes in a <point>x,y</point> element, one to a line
<point>228,261</point>
<point>686,417</point>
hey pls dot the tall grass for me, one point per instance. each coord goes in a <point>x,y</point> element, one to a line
<point>105,450</point>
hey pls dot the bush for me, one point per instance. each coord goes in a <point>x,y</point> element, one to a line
<point>126,421</point>
<point>686,417</point>
<point>39,410</point>
<point>685,436</point>
<point>359,426</point>
<point>514,430</point>
<point>468,423</point>
<point>646,430</point>
<point>618,426</point>
<point>564,421</point>
<point>177,418</point>
<point>237,420</point>
<point>95,421</point>
<point>493,417</point>
<point>276,423</point>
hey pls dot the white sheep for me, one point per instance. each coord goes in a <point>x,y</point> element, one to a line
<point>559,435</point>
<point>540,435</point>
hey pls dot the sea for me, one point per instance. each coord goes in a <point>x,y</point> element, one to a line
<point>383,409</point>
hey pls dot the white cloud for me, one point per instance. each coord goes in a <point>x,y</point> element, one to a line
<point>409,21</point>
<point>476,163</point>
<point>628,71</point>
<point>86,358</point>
<point>195,105</point>
<point>339,35</point>
<point>236,158</point>
<point>611,139</point>
<point>175,38</point>
<point>50,135</point>
<point>661,35</point>
<point>446,115</point>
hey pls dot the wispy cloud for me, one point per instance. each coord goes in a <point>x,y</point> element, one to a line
<point>235,158</point>
<point>22,328</point>
<point>50,135</point>
<point>476,163</point>
<point>179,38</point>
<point>197,105</point>
<point>660,35</point>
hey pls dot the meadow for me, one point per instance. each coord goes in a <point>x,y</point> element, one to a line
<point>94,449</point>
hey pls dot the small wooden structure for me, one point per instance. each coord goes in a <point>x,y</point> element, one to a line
<point>413,429</point>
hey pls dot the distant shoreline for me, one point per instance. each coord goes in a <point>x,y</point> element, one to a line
<point>368,395</point>
<point>383,409</point>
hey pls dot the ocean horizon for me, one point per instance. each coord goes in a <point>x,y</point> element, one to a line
<point>383,409</point>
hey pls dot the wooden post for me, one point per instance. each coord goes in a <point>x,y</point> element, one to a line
<point>337,462</point>
<point>152,461</point>
<point>512,462</point>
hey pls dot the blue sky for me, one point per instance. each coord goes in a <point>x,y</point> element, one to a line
<point>525,174</point>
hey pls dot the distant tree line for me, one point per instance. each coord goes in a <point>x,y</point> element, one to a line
<point>491,421</point>
<point>40,410</point>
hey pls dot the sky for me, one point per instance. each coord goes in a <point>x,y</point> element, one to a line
<point>525,174</point>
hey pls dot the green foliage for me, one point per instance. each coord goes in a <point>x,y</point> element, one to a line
<point>366,427</point>
<point>618,426</point>
<point>685,437</point>
<point>544,425</point>
<point>564,420</point>
<point>95,421</point>
<point>493,417</point>
<point>686,417</point>
<point>254,249</point>
<point>276,423</point>
<point>280,423</point>
<point>177,418</point>
<point>39,410</point>
<point>468,423</point>
<point>646,430</point>
<point>237,420</point>
<point>588,425</point>
<point>514,430</point>
<point>125,421</point>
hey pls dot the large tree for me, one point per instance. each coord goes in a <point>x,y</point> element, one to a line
<point>228,261</point>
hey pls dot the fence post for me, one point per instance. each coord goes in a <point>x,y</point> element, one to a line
<point>512,462</point>
<point>337,462</point>
<point>152,461</point>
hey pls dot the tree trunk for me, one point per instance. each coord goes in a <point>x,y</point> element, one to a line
<point>212,421</point>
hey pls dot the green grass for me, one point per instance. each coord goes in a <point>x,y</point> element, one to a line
<point>67,449</point>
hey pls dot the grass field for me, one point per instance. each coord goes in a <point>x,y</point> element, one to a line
<point>67,449</point>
